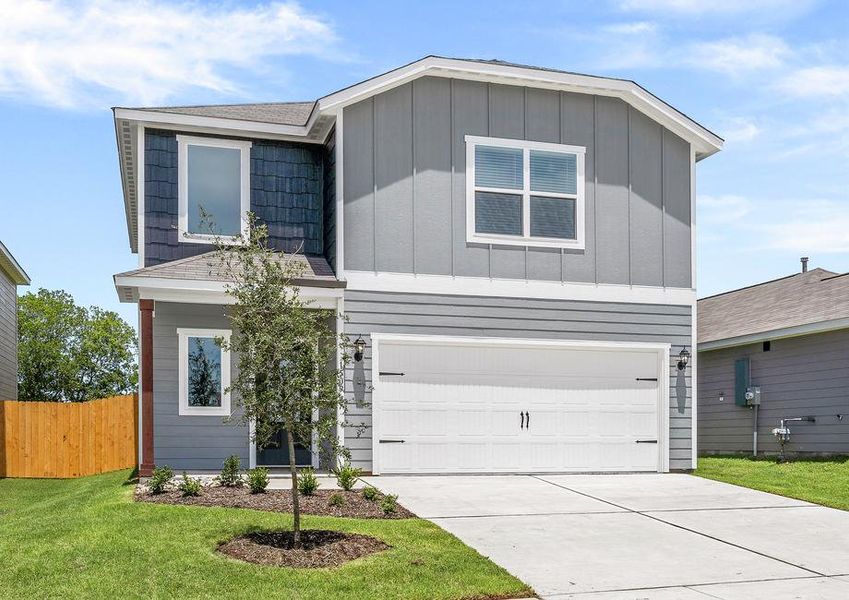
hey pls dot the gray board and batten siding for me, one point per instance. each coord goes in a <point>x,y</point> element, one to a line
<point>431,314</point>
<point>405,190</point>
<point>799,376</point>
<point>8,339</point>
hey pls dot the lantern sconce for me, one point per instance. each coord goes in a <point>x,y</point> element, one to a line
<point>359,348</point>
<point>683,359</point>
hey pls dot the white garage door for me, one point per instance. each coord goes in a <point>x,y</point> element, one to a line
<point>466,407</point>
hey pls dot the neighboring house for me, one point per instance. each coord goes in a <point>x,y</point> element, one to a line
<point>513,244</point>
<point>11,276</point>
<point>789,340</point>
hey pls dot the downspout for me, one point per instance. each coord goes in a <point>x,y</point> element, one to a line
<point>755,431</point>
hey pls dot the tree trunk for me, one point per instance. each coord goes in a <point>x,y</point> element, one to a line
<point>296,508</point>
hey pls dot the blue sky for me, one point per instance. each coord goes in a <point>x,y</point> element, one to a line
<point>771,76</point>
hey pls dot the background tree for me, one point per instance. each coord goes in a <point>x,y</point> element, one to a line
<point>72,353</point>
<point>286,352</point>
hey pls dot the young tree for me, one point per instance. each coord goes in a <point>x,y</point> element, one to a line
<point>70,353</point>
<point>288,369</point>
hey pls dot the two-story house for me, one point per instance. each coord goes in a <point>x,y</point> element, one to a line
<point>514,246</point>
<point>11,276</point>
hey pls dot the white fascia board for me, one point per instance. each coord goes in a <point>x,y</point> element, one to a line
<point>209,292</point>
<point>705,141</point>
<point>516,288</point>
<point>217,125</point>
<point>9,265</point>
<point>775,334</point>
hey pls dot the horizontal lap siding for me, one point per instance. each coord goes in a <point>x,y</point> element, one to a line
<point>428,314</point>
<point>188,442</point>
<point>8,339</point>
<point>803,376</point>
<point>405,184</point>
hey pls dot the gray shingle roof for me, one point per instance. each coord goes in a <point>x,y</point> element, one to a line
<point>279,113</point>
<point>801,299</point>
<point>209,267</point>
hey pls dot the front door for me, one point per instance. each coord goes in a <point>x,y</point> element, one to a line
<point>276,454</point>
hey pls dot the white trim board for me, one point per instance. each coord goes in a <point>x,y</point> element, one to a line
<point>663,374</point>
<point>775,334</point>
<point>516,288</point>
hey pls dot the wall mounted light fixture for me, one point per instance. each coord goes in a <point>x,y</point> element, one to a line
<point>359,347</point>
<point>683,359</point>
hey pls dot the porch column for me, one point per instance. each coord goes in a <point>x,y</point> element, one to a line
<point>146,335</point>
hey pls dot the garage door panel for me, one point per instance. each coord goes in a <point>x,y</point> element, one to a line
<point>458,408</point>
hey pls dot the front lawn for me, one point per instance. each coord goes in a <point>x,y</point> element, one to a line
<point>822,481</point>
<point>86,538</point>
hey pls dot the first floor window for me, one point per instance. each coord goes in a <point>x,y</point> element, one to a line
<point>204,372</point>
<point>524,193</point>
<point>213,188</point>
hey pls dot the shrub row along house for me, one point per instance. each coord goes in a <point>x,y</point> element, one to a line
<point>512,245</point>
<point>11,276</point>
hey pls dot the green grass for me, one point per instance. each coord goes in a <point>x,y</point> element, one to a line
<point>87,538</point>
<point>822,481</point>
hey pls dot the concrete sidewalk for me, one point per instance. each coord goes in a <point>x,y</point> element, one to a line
<point>647,537</point>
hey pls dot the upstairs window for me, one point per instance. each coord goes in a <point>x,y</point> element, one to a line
<point>214,188</point>
<point>204,372</point>
<point>524,193</point>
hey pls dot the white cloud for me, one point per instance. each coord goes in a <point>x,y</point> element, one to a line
<point>724,209</point>
<point>72,54</point>
<point>739,129</point>
<point>734,56</point>
<point>704,7</point>
<point>820,81</point>
<point>635,28</point>
<point>813,226</point>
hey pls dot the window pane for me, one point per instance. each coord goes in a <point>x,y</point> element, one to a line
<point>214,185</point>
<point>554,172</point>
<point>204,372</point>
<point>553,217</point>
<point>498,213</point>
<point>498,167</point>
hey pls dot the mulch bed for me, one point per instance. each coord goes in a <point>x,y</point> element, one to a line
<point>354,505</point>
<point>319,548</point>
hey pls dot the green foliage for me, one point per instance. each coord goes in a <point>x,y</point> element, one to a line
<point>160,479</point>
<point>258,480</point>
<point>307,482</point>
<point>190,486</point>
<point>336,500</point>
<point>231,475</point>
<point>389,503</point>
<point>346,476</point>
<point>72,353</point>
<point>370,493</point>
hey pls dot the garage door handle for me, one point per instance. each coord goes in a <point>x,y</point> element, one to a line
<point>390,442</point>
<point>645,441</point>
<point>646,378</point>
<point>390,373</point>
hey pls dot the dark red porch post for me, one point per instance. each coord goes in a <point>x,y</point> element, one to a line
<point>146,334</point>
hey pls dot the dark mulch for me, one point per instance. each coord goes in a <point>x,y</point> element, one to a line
<point>354,505</point>
<point>319,548</point>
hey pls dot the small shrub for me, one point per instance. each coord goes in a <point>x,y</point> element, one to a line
<point>346,476</point>
<point>336,500</point>
<point>190,486</point>
<point>160,479</point>
<point>307,482</point>
<point>258,480</point>
<point>231,475</point>
<point>370,493</point>
<point>389,503</point>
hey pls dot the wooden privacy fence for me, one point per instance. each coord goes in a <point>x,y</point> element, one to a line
<point>53,439</point>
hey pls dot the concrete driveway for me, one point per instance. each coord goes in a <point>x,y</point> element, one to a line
<point>647,537</point>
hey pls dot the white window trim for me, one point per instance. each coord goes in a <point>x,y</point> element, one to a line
<point>244,147</point>
<point>526,239</point>
<point>183,336</point>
